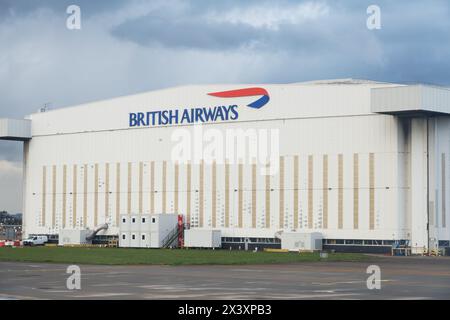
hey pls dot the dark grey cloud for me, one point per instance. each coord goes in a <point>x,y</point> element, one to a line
<point>192,28</point>
<point>17,8</point>
<point>187,33</point>
<point>11,151</point>
<point>412,46</point>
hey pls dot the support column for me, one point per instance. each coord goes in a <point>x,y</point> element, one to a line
<point>419,185</point>
<point>433,184</point>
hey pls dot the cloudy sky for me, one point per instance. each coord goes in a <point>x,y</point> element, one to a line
<point>126,47</point>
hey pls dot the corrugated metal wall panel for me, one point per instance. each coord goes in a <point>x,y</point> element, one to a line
<point>15,129</point>
<point>325,170</point>
<point>288,207</point>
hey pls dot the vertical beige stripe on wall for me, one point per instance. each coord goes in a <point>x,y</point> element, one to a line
<point>54,197</point>
<point>85,193</point>
<point>188,192</point>
<point>107,191</point>
<point>296,191</point>
<point>141,186</point>
<point>176,188</point>
<point>281,203</point>
<point>164,186</point>
<point>96,195</point>
<point>44,195</point>
<point>129,189</point>
<point>117,193</point>
<point>310,191</point>
<point>64,204</point>
<point>371,191</point>
<point>152,187</point>
<point>74,194</point>
<point>201,194</point>
<point>355,191</point>
<point>268,191</point>
<point>240,195</point>
<point>325,191</point>
<point>214,194</point>
<point>227,194</point>
<point>444,196</point>
<point>340,191</point>
<point>254,195</point>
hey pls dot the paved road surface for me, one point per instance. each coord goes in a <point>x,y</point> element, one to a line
<point>402,278</point>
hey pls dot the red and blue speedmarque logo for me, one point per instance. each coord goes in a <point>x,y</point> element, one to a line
<point>200,114</point>
<point>247,92</point>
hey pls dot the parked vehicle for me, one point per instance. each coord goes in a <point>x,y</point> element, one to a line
<point>35,241</point>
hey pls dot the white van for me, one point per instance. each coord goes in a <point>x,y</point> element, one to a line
<point>35,241</point>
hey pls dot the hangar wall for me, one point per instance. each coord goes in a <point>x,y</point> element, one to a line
<point>341,182</point>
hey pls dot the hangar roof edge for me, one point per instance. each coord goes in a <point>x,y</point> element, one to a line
<point>345,81</point>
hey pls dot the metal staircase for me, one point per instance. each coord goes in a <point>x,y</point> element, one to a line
<point>175,237</point>
<point>171,238</point>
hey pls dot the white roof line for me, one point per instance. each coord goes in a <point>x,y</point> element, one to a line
<point>344,81</point>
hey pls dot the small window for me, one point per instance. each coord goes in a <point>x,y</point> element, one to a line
<point>143,220</point>
<point>153,220</point>
<point>133,220</point>
<point>143,237</point>
<point>133,236</point>
<point>124,237</point>
<point>124,220</point>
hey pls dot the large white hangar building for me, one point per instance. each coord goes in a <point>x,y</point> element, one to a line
<point>363,163</point>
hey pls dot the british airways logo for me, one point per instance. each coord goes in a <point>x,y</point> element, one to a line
<point>246,93</point>
<point>200,115</point>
